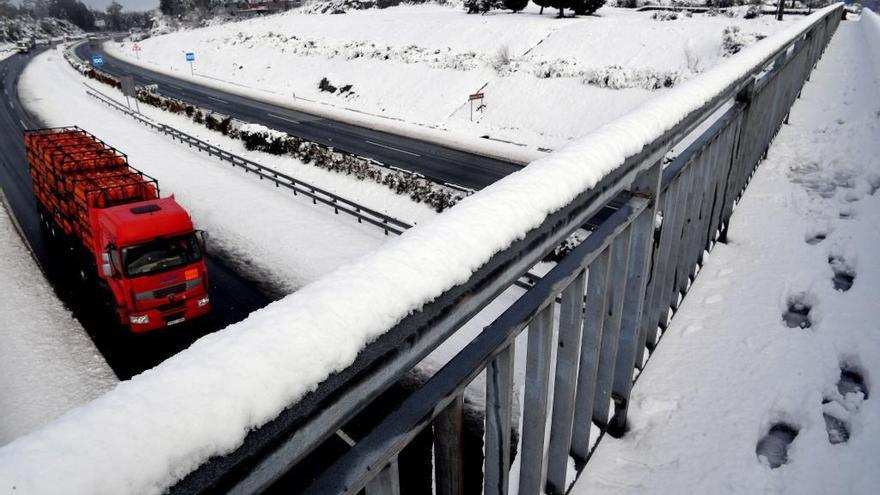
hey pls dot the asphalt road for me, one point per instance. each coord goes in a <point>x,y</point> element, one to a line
<point>431,160</point>
<point>233,297</point>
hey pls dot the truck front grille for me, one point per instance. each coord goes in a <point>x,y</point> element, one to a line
<point>170,290</point>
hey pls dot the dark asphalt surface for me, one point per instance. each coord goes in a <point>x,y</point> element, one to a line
<point>233,297</point>
<point>431,160</point>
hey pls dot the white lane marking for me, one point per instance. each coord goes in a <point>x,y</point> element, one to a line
<point>218,99</point>
<point>22,124</point>
<point>392,148</point>
<point>283,118</point>
<point>11,105</point>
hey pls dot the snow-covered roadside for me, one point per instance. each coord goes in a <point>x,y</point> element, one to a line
<point>269,235</point>
<point>729,368</point>
<point>203,401</point>
<point>48,365</point>
<point>408,74</point>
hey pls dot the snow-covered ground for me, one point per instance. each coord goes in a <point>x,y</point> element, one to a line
<point>48,364</point>
<point>729,368</point>
<point>545,80</point>
<point>269,235</point>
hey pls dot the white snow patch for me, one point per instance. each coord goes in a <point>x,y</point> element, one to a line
<point>48,364</point>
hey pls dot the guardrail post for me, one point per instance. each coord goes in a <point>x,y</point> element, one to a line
<point>646,188</point>
<point>591,340</point>
<point>499,403</point>
<point>449,449</point>
<point>620,251</point>
<point>387,482</point>
<point>537,391</point>
<point>571,317</point>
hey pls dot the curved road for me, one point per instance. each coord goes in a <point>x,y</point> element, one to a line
<point>232,296</point>
<point>429,159</point>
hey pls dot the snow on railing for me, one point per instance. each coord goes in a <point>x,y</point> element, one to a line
<point>153,430</point>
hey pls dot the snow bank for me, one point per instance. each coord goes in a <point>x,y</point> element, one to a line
<point>154,429</point>
<point>728,368</point>
<point>48,364</point>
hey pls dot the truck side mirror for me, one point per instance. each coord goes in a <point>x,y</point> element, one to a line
<point>106,267</point>
<point>201,238</point>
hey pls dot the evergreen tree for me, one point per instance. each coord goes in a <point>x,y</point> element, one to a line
<point>515,5</point>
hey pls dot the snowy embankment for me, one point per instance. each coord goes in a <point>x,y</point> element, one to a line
<point>730,368</point>
<point>545,80</point>
<point>270,236</point>
<point>203,401</point>
<point>48,364</point>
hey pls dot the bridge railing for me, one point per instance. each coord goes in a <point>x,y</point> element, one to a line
<point>601,307</point>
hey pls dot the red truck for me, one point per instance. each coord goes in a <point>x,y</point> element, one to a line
<point>142,247</point>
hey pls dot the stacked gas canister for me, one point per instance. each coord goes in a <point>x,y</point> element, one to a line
<point>73,171</point>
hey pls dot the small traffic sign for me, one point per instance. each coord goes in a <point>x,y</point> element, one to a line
<point>475,96</point>
<point>190,56</point>
<point>97,60</point>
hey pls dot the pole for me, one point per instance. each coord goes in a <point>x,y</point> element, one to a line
<point>472,110</point>
<point>780,9</point>
<point>192,71</point>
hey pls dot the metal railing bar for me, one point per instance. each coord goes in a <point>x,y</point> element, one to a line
<point>536,400</point>
<point>588,365</point>
<point>571,318</point>
<point>620,252</point>
<point>499,409</point>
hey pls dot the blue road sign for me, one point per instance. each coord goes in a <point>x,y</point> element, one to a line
<point>190,56</point>
<point>97,61</point>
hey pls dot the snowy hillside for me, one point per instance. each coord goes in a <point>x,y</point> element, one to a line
<point>13,29</point>
<point>545,80</point>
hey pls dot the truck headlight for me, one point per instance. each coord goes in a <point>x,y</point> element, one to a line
<point>204,301</point>
<point>139,320</point>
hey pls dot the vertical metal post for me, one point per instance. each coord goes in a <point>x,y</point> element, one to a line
<point>591,340</point>
<point>499,403</point>
<point>537,391</point>
<point>646,187</point>
<point>387,482</point>
<point>611,331</point>
<point>571,318</point>
<point>448,449</point>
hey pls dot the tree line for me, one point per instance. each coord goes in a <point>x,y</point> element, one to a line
<point>577,7</point>
<point>77,13</point>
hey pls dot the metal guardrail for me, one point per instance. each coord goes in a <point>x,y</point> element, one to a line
<point>616,290</point>
<point>339,204</point>
<point>614,293</point>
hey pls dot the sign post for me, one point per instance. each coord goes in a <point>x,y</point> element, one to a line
<point>191,57</point>
<point>137,50</point>
<point>128,89</point>
<point>471,99</point>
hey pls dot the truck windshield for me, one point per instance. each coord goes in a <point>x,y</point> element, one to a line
<point>160,255</point>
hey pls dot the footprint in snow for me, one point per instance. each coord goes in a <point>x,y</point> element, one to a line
<point>847,213</point>
<point>844,274</point>
<point>798,313</point>
<point>853,391</point>
<point>773,448</point>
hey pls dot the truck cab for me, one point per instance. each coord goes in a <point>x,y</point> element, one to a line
<point>152,260</point>
<point>23,47</point>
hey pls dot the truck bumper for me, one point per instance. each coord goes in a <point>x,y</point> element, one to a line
<point>154,319</point>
